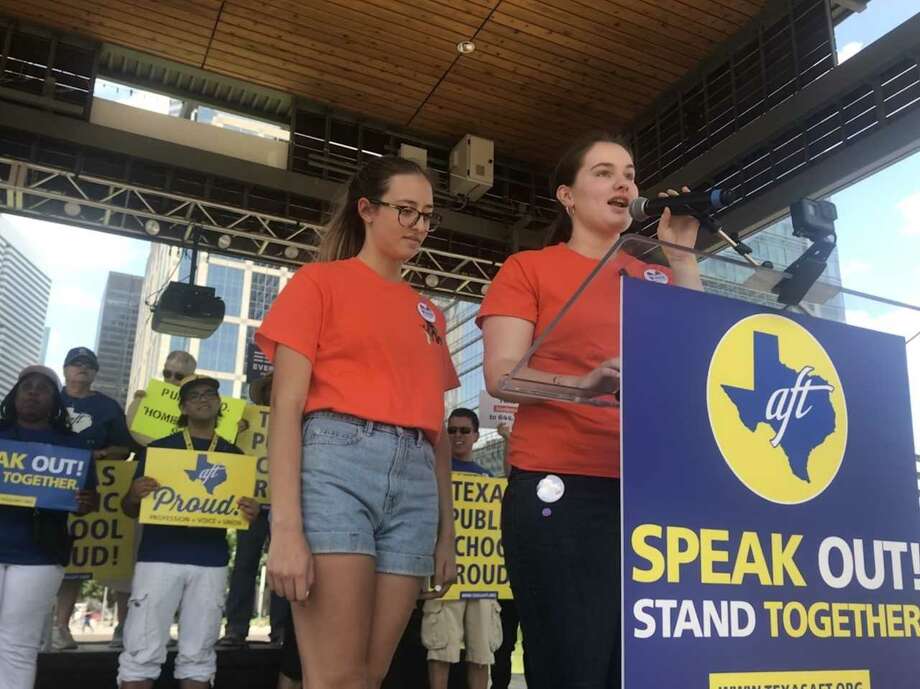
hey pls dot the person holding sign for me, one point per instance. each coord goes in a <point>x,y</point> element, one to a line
<point>560,516</point>
<point>361,500</point>
<point>180,568</point>
<point>475,624</point>
<point>178,366</point>
<point>100,423</point>
<point>34,544</point>
<point>250,543</point>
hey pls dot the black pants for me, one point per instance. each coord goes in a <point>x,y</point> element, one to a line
<point>563,559</point>
<point>501,668</point>
<point>241,596</point>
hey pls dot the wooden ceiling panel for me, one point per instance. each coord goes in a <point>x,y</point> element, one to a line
<point>314,60</point>
<point>572,68</point>
<point>311,40</point>
<point>542,71</point>
<point>142,26</point>
<point>718,18</point>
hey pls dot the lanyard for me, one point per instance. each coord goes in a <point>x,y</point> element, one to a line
<point>188,441</point>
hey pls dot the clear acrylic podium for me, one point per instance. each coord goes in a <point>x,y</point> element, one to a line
<point>730,275</point>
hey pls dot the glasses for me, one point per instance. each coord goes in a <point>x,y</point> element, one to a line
<point>203,396</point>
<point>82,363</point>
<point>172,375</point>
<point>409,216</point>
<point>462,430</point>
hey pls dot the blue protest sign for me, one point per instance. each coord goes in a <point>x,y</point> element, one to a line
<point>771,523</point>
<point>41,475</point>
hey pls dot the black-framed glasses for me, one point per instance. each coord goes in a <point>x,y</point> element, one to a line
<point>203,396</point>
<point>172,375</point>
<point>409,216</point>
<point>462,430</point>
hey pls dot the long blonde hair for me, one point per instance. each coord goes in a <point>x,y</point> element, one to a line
<point>344,235</point>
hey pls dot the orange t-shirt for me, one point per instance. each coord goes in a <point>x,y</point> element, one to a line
<point>378,348</point>
<point>561,437</point>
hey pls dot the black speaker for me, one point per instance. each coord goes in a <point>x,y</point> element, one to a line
<point>188,311</point>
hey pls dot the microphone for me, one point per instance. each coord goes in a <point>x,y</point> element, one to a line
<point>692,203</point>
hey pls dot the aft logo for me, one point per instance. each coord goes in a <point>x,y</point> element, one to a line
<point>655,275</point>
<point>209,475</point>
<point>777,409</point>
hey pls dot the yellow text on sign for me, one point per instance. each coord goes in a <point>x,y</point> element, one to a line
<point>254,441</point>
<point>158,413</point>
<point>481,571</point>
<point>668,550</point>
<point>807,679</point>
<point>197,488</point>
<point>103,546</point>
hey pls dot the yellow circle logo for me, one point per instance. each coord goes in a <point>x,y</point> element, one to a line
<point>777,409</point>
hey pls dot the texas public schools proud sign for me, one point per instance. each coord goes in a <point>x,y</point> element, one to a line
<point>40,475</point>
<point>197,488</point>
<point>771,525</point>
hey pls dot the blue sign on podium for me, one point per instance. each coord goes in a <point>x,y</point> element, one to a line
<point>771,516</point>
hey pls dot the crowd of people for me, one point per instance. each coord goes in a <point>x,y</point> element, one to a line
<point>361,540</point>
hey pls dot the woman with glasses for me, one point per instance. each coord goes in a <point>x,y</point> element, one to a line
<point>179,568</point>
<point>359,468</point>
<point>560,514</point>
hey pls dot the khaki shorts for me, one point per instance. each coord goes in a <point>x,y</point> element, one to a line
<point>448,626</point>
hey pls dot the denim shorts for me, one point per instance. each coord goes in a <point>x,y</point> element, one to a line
<point>369,488</point>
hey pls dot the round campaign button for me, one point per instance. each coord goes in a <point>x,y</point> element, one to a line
<point>551,488</point>
<point>425,312</point>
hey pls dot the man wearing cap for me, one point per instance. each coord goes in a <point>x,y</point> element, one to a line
<point>180,568</point>
<point>99,421</point>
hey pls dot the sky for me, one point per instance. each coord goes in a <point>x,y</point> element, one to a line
<point>878,233</point>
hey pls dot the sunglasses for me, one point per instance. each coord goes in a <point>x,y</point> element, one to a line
<point>172,375</point>
<point>466,430</point>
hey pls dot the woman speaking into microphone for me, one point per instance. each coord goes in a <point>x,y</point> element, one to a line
<point>560,516</point>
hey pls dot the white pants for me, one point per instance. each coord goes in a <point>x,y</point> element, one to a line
<point>26,595</point>
<point>157,591</point>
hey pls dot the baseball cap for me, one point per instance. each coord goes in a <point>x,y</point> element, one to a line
<point>194,381</point>
<point>42,371</point>
<point>78,353</point>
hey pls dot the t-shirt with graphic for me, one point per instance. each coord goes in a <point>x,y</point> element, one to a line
<point>184,545</point>
<point>17,524</point>
<point>98,420</point>
<point>377,347</point>
<point>468,467</point>
<point>561,437</point>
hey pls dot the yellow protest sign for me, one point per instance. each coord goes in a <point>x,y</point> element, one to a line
<point>197,488</point>
<point>481,569</point>
<point>254,441</point>
<point>103,546</point>
<point>158,413</point>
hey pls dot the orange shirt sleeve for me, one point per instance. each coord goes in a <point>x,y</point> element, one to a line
<point>295,319</point>
<point>512,293</point>
<point>450,372</point>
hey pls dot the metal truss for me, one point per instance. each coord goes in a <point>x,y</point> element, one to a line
<point>57,195</point>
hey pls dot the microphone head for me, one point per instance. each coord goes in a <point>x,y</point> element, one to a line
<point>637,209</point>
<point>720,198</point>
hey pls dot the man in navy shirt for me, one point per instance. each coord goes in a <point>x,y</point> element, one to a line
<point>473,624</point>
<point>180,568</point>
<point>100,424</point>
